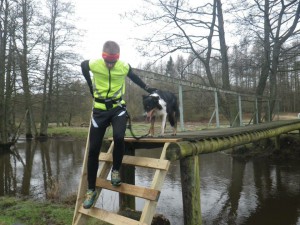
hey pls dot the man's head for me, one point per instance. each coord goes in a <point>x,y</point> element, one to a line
<point>110,53</point>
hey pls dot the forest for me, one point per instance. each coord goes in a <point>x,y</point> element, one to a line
<point>41,81</point>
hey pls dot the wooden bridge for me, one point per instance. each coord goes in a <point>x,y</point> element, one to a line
<point>186,147</point>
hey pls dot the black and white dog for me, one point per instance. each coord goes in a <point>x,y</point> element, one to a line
<point>164,104</point>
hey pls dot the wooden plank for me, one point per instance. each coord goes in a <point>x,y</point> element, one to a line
<point>151,139</point>
<point>157,183</point>
<point>146,162</point>
<point>129,189</point>
<point>109,217</point>
<point>77,218</point>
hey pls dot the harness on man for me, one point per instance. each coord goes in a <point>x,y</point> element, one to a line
<point>109,102</point>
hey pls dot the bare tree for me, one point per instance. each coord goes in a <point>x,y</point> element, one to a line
<point>193,29</point>
<point>60,35</point>
<point>25,11</point>
<point>274,23</point>
<point>4,9</point>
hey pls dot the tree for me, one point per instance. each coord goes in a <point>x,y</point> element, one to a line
<point>193,29</point>
<point>274,23</point>
<point>170,70</point>
<point>4,12</point>
<point>60,35</point>
<point>22,46</point>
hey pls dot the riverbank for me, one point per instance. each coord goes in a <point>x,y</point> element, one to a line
<point>24,211</point>
<point>288,149</point>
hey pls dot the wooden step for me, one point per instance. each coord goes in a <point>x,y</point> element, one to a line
<point>129,189</point>
<point>146,162</point>
<point>109,217</point>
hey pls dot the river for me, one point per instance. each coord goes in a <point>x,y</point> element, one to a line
<point>233,191</point>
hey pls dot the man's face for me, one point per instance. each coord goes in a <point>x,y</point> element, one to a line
<point>109,64</point>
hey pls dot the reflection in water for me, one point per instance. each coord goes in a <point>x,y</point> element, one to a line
<point>232,191</point>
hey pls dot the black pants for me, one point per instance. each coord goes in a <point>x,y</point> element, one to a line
<point>117,117</point>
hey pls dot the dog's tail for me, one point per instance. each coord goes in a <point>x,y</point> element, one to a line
<point>174,115</point>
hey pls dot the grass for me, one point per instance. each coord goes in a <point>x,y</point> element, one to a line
<point>74,132</point>
<point>19,211</point>
<point>22,211</point>
<point>82,132</point>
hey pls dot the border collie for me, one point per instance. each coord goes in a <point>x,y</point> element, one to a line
<point>164,104</point>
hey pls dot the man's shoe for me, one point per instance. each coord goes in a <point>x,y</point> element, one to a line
<point>115,178</point>
<point>90,198</point>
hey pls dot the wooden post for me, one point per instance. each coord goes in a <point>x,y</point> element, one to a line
<point>127,176</point>
<point>256,110</point>
<point>190,182</point>
<point>181,108</point>
<point>217,110</point>
<point>277,142</point>
<point>240,110</point>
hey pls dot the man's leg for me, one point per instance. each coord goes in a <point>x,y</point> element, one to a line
<point>96,137</point>
<point>97,132</point>
<point>119,127</point>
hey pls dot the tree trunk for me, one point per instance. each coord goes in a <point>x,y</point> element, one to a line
<point>4,136</point>
<point>30,122</point>
<point>46,107</point>
<point>265,62</point>
<point>232,110</point>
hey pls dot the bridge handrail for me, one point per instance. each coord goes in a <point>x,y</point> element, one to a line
<point>161,77</point>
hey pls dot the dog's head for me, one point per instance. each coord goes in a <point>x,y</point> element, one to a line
<point>151,103</point>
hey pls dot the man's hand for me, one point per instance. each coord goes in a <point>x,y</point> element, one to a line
<point>150,90</point>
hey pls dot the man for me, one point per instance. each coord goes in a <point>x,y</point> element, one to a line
<point>107,88</point>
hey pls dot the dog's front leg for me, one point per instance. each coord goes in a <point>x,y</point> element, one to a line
<point>163,124</point>
<point>151,130</point>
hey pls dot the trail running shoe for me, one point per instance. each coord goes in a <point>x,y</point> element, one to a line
<point>115,178</point>
<point>90,198</point>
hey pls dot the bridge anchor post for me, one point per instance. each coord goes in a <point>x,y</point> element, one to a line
<point>190,181</point>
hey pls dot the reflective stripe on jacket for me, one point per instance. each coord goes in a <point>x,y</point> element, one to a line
<point>108,84</point>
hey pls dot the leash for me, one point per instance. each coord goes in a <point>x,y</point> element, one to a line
<point>129,126</point>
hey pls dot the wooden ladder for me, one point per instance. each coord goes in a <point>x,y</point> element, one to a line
<point>151,194</point>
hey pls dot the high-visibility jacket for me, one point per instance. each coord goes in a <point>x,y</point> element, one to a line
<point>108,83</point>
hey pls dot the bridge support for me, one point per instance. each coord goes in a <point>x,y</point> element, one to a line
<point>277,142</point>
<point>190,183</point>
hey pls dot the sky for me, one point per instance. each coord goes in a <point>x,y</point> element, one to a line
<point>102,22</point>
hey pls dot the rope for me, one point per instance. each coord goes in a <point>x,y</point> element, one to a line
<point>129,126</point>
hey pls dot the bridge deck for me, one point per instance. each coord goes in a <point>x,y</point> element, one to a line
<point>213,133</point>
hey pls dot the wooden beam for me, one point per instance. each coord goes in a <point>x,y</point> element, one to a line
<point>109,217</point>
<point>145,162</point>
<point>190,182</point>
<point>180,150</point>
<point>129,189</point>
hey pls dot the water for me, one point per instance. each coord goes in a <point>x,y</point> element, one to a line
<point>232,191</point>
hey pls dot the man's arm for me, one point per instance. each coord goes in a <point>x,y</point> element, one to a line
<point>137,80</point>
<point>85,68</point>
